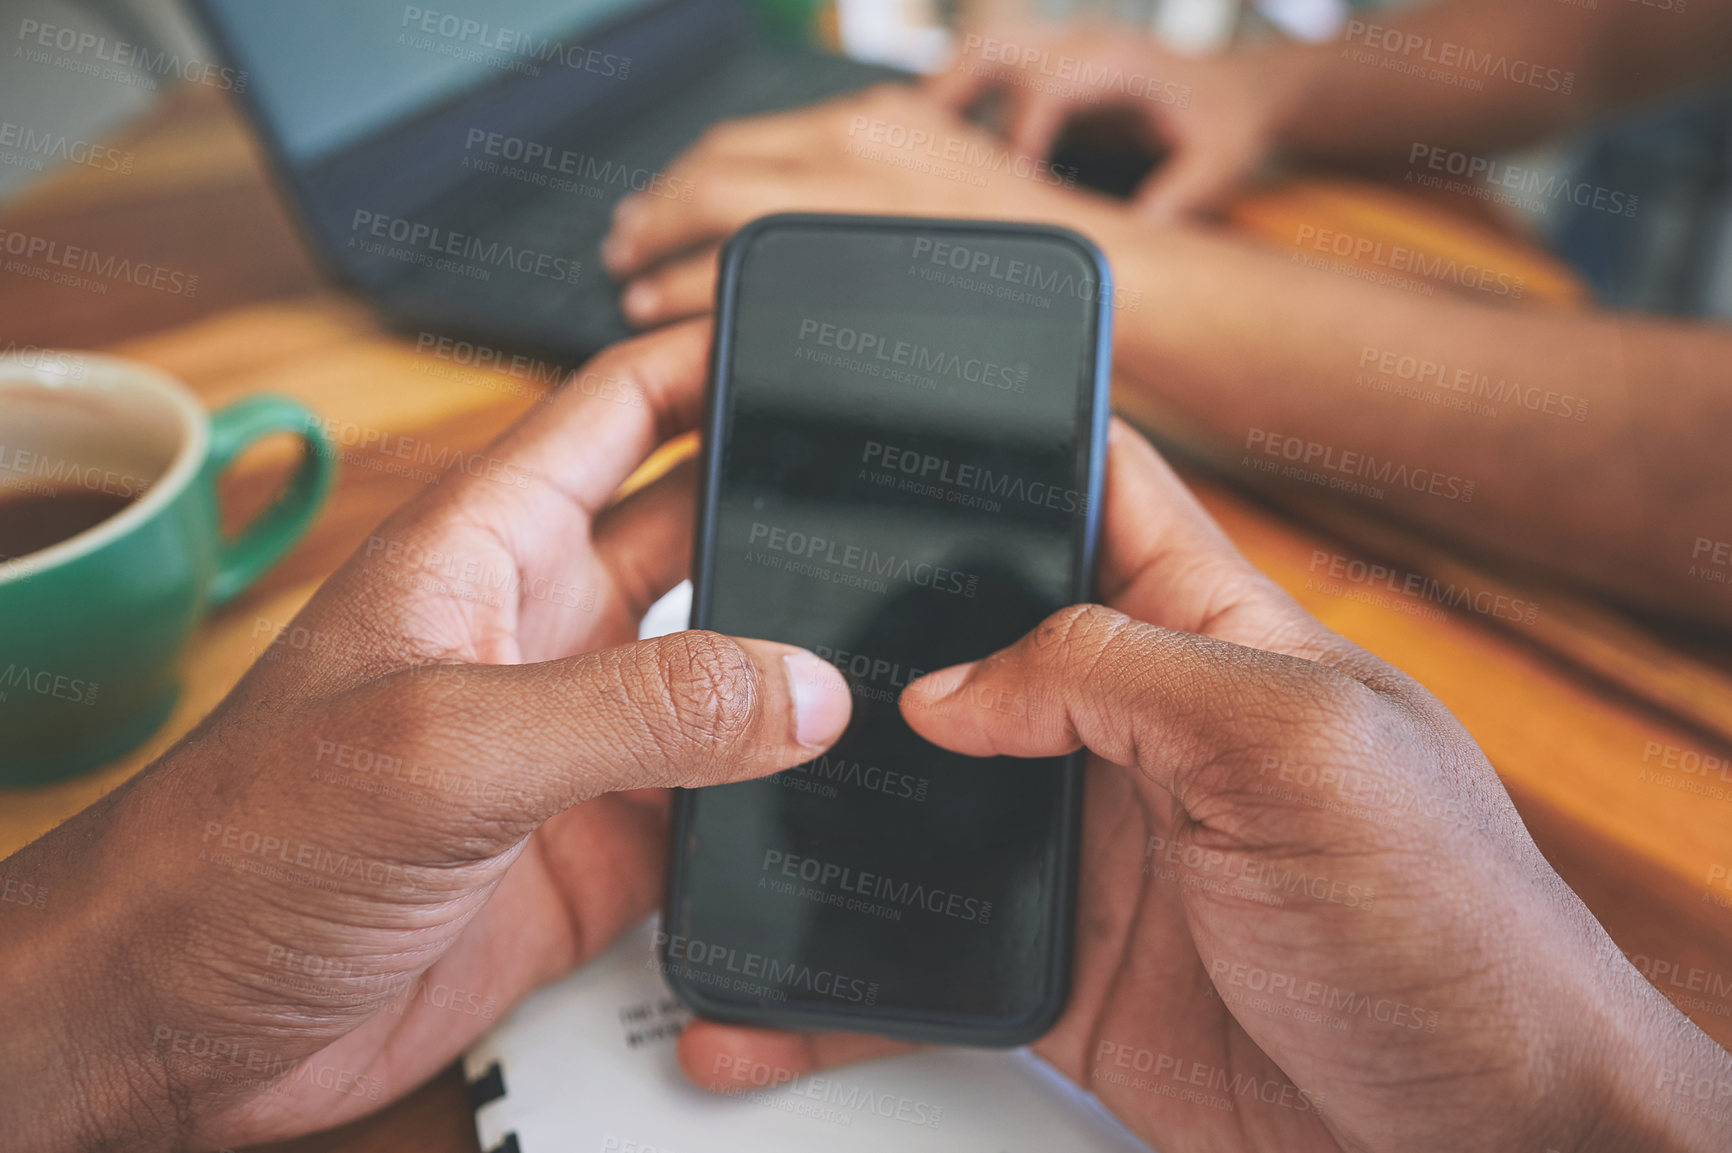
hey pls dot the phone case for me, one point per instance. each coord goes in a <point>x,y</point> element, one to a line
<point>995,1033</point>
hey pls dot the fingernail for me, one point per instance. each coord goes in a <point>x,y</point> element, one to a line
<point>641,301</point>
<point>936,686</point>
<point>821,702</point>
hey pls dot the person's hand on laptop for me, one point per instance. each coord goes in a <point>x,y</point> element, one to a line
<point>422,810</point>
<point>1214,118</point>
<point>891,150</point>
<point>1310,917</point>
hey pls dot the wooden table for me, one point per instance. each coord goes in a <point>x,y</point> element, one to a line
<point>1579,711</point>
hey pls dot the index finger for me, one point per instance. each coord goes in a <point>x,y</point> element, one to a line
<point>1164,560</point>
<point>611,414</point>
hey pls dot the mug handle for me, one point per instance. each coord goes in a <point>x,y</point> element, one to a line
<point>244,558</point>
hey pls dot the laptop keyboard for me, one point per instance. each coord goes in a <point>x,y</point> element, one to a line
<point>571,219</point>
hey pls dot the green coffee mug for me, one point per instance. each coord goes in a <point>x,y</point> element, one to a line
<point>92,624</point>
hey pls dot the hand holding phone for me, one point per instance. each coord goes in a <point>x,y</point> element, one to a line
<point>902,471</point>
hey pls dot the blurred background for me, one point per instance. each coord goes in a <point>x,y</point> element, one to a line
<point>1677,159</point>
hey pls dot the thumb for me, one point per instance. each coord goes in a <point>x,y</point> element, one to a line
<point>1190,712</point>
<point>688,709</point>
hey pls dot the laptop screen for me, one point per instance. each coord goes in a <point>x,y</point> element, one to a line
<point>328,74</point>
<point>457,161</point>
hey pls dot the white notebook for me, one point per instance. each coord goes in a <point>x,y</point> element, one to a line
<point>587,1066</point>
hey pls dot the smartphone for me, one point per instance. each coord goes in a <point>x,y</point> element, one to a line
<point>901,470</point>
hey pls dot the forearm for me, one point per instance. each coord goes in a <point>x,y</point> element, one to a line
<point>105,1047</point>
<point>1582,443</point>
<point>76,1071</point>
<point>1487,74</point>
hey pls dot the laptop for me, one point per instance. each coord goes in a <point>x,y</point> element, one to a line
<point>456,162</point>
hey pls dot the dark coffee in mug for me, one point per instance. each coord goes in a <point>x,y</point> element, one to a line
<point>34,519</point>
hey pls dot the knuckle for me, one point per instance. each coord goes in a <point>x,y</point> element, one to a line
<point>1351,706</point>
<point>1332,720</point>
<point>709,686</point>
<point>1304,704</point>
<point>1081,650</point>
<point>1063,626</point>
<point>1086,630</point>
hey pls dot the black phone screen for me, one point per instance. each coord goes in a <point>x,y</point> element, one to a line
<point>902,474</point>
